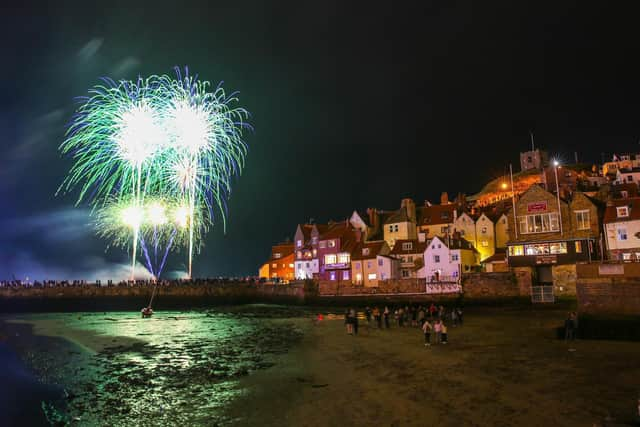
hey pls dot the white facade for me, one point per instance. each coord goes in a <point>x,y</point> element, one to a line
<point>628,175</point>
<point>304,269</point>
<point>622,236</point>
<point>442,263</point>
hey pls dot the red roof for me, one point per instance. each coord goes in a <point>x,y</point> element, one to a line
<point>436,214</point>
<point>611,212</point>
<point>417,247</point>
<point>359,250</point>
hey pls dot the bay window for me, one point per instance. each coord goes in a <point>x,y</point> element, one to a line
<point>538,223</point>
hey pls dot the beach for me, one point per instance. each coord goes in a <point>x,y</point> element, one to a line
<point>502,367</point>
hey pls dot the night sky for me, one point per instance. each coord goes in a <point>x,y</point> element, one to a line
<point>352,106</point>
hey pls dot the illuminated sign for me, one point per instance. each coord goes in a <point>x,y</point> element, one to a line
<point>537,206</point>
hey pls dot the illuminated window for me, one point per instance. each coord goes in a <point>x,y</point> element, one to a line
<point>344,258</point>
<point>330,259</point>
<point>578,247</point>
<point>315,252</point>
<point>365,251</point>
<point>622,233</point>
<point>484,243</point>
<point>626,257</point>
<point>372,276</point>
<point>517,250</point>
<point>345,275</point>
<point>274,265</point>
<point>284,265</point>
<point>484,230</point>
<point>299,243</point>
<point>540,223</point>
<point>583,220</point>
<point>291,265</point>
<point>277,255</point>
<point>314,240</point>
<point>359,278</point>
<point>622,211</point>
<point>331,244</point>
<point>332,275</point>
<point>299,254</point>
<point>407,246</point>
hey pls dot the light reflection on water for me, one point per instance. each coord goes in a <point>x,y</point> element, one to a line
<point>173,369</point>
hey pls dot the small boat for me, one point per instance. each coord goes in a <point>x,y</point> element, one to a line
<point>146,312</point>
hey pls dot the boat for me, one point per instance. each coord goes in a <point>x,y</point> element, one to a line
<point>146,312</point>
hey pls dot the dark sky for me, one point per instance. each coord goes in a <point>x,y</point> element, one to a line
<point>353,106</point>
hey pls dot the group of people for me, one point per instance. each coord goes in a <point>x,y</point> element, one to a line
<point>431,319</point>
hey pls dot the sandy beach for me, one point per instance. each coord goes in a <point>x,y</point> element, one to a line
<point>503,367</point>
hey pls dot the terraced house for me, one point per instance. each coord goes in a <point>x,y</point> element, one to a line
<point>551,235</point>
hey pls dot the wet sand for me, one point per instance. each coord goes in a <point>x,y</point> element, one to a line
<point>502,368</point>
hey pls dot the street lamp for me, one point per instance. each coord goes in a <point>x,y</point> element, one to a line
<point>555,170</point>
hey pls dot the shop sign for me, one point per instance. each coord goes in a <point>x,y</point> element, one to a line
<point>537,207</point>
<point>547,259</point>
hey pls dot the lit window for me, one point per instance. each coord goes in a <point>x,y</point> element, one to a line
<point>345,275</point>
<point>484,243</point>
<point>291,265</point>
<point>365,251</point>
<point>626,257</point>
<point>622,233</point>
<point>540,223</point>
<point>274,265</point>
<point>407,246</point>
<point>436,258</point>
<point>622,211</point>
<point>583,220</point>
<point>277,255</point>
<point>332,275</point>
<point>314,240</point>
<point>344,258</point>
<point>330,259</point>
<point>578,247</point>
<point>372,276</point>
<point>315,252</point>
<point>299,243</point>
<point>484,230</point>
<point>359,278</point>
<point>331,244</point>
<point>517,250</point>
<point>299,254</point>
<point>284,265</point>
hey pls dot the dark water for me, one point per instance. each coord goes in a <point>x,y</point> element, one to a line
<point>177,368</point>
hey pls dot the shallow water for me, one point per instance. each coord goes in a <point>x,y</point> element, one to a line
<point>177,368</point>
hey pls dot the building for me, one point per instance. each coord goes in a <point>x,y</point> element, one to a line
<point>280,265</point>
<point>534,159</point>
<point>370,263</point>
<point>437,220</point>
<point>401,224</point>
<point>625,175</point>
<point>306,240</point>
<point>334,251</point>
<point>485,236</point>
<point>446,259</point>
<point>465,225</point>
<point>502,230</point>
<point>357,221</point>
<point>622,161</point>
<point>622,229</point>
<point>551,235</point>
<point>410,256</point>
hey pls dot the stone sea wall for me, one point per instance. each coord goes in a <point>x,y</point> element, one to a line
<point>609,288</point>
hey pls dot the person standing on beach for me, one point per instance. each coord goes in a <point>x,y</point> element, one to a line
<point>376,317</point>
<point>443,332</point>
<point>432,310</point>
<point>354,321</point>
<point>347,322</point>
<point>386,317</point>
<point>426,329</point>
<point>437,328</point>
<point>421,316</point>
<point>367,314</point>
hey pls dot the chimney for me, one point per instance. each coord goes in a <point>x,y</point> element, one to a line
<point>373,217</point>
<point>410,207</point>
<point>444,198</point>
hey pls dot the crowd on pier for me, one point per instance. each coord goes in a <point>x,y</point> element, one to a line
<point>431,319</point>
<point>126,283</point>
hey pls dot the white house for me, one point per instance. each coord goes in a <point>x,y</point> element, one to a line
<point>306,263</point>
<point>445,259</point>
<point>622,229</point>
<point>410,254</point>
<point>628,175</point>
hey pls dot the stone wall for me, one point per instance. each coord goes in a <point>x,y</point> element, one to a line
<point>564,280</point>
<point>608,288</point>
<point>490,285</point>
<point>524,279</point>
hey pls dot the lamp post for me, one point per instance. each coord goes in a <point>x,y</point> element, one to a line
<point>555,170</point>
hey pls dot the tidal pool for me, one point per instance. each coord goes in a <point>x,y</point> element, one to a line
<point>176,368</point>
